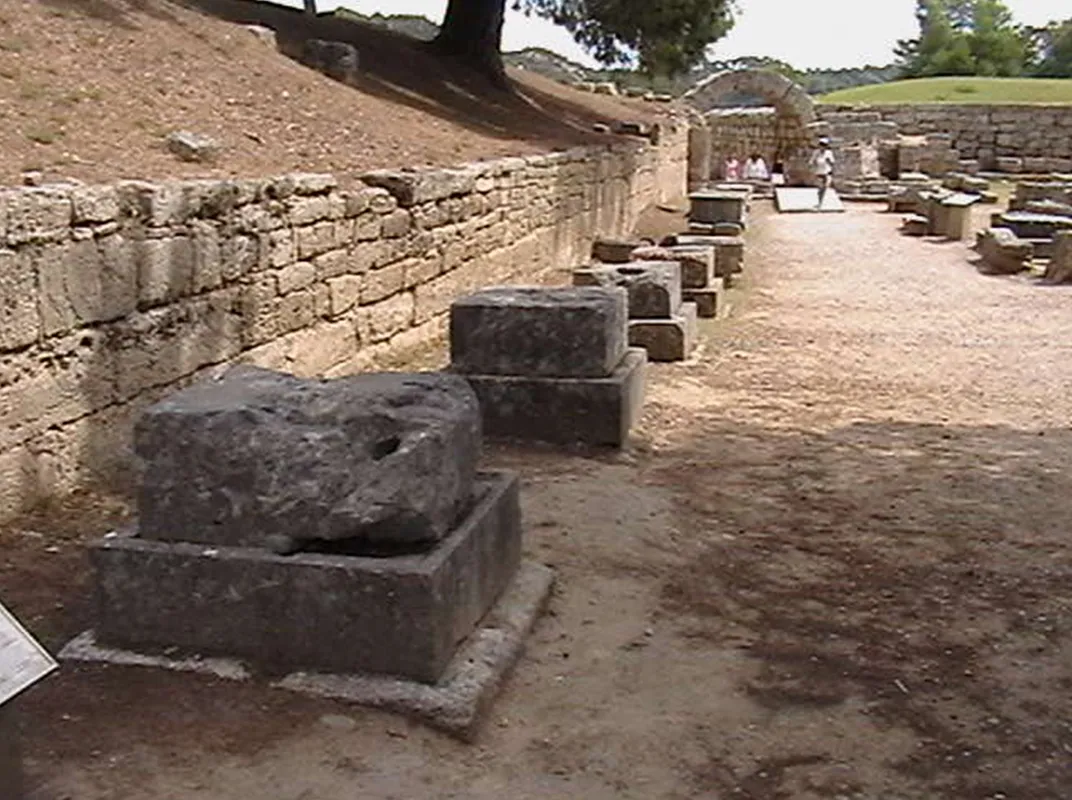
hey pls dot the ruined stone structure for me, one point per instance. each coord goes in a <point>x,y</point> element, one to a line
<point>114,296</point>
<point>1008,138</point>
<point>780,135</point>
<point>550,365</point>
<point>340,530</point>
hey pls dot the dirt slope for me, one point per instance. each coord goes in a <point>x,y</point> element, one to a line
<point>89,89</point>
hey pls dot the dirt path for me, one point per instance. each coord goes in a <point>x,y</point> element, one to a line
<point>834,565</point>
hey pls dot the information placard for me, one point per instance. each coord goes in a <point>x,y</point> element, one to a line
<point>23,662</point>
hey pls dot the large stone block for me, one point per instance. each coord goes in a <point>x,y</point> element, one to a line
<point>324,610</point>
<point>1003,252</point>
<point>569,411</point>
<point>654,287</point>
<point>577,332</point>
<point>666,339</point>
<point>710,302</point>
<point>261,458</point>
<point>729,250</point>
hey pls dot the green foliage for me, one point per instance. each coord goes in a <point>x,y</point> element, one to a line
<point>1053,48</point>
<point>964,37</point>
<point>661,38</point>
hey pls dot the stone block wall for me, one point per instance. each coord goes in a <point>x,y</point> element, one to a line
<point>742,131</point>
<point>113,296</point>
<point>1039,135</point>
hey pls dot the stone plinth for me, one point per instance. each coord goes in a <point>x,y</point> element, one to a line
<point>402,616</point>
<point>729,250</point>
<point>712,207</point>
<point>710,301</point>
<point>593,411</point>
<point>1028,225</point>
<point>264,459</point>
<point>666,339</point>
<point>576,332</point>
<point>654,287</point>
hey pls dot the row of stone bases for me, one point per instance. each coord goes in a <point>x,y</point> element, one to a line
<point>340,535</point>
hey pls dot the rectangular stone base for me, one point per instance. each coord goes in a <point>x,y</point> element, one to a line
<point>710,301</point>
<point>457,703</point>
<point>666,339</point>
<point>593,411</point>
<point>402,616</point>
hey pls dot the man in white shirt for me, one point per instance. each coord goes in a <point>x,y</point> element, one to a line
<point>822,165</point>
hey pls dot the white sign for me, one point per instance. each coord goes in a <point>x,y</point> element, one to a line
<point>23,662</point>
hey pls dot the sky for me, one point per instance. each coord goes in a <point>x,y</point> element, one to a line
<point>809,34</point>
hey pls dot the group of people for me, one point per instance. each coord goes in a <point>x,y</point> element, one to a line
<point>755,169</point>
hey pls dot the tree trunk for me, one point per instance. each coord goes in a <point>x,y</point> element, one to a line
<point>310,7</point>
<point>472,33</point>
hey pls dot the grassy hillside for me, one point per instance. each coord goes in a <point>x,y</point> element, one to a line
<point>958,90</point>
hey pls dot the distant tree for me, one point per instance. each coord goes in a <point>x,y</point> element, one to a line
<point>1054,50</point>
<point>663,38</point>
<point>963,37</point>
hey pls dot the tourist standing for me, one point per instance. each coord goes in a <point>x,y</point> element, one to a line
<point>755,169</point>
<point>731,170</point>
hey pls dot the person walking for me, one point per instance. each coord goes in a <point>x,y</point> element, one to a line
<point>822,166</point>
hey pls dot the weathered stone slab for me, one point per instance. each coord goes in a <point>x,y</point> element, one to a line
<point>1003,252</point>
<point>401,616</point>
<point>1028,225</point>
<point>666,339</point>
<point>568,332</point>
<point>654,287</point>
<point>712,207</point>
<point>263,459</point>
<point>697,263</point>
<point>710,302</point>
<point>566,411</point>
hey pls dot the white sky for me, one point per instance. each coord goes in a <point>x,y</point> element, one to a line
<point>805,33</point>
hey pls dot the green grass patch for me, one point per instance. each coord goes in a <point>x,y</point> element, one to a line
<point>982,91</point>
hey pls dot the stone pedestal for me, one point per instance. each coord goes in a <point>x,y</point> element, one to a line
<point>12,786</point>
<point>653,287</point>
<point>666,339</point>
<point>550,365</point>
<point>330,611</point>
<point>712,207</point>
<point>709,301</point>
<point>729,250</point>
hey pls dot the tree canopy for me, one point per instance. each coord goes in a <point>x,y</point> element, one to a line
<point>662,37</point>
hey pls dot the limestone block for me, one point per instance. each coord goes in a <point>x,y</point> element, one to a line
<point>415,187</point>
<point>261,458</point>
<point>1003,252</point>
<point>19,321</point>
<point>670,339</point>
<point>95,204</point>
<point>614,251</point>
<point>697,263</point>
<point>654,287</point>
<point>382,320</point>
<point>82,283</point>
<point>577,332</point>
<point>37,214</point>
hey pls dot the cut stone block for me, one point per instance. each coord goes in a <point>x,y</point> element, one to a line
<point>711,207</point>
<point>402,616</point>
<point>458,703</point>
<point>614,251</point>
<point>697,263</point>
<point>710,301</point>
<point>666,339</point>
<point>1003,252</point>
<point>586,411</point>
<point>654,287</point>
<point>265,459</point>
<point>569,332</point>
<point>1028,225</point>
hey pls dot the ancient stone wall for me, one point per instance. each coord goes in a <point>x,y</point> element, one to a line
<point>1032,138</point>
<point>112,296</point>
<point>742,131</point>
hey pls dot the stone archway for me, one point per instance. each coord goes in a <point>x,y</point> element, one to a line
<point>795,116</point>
